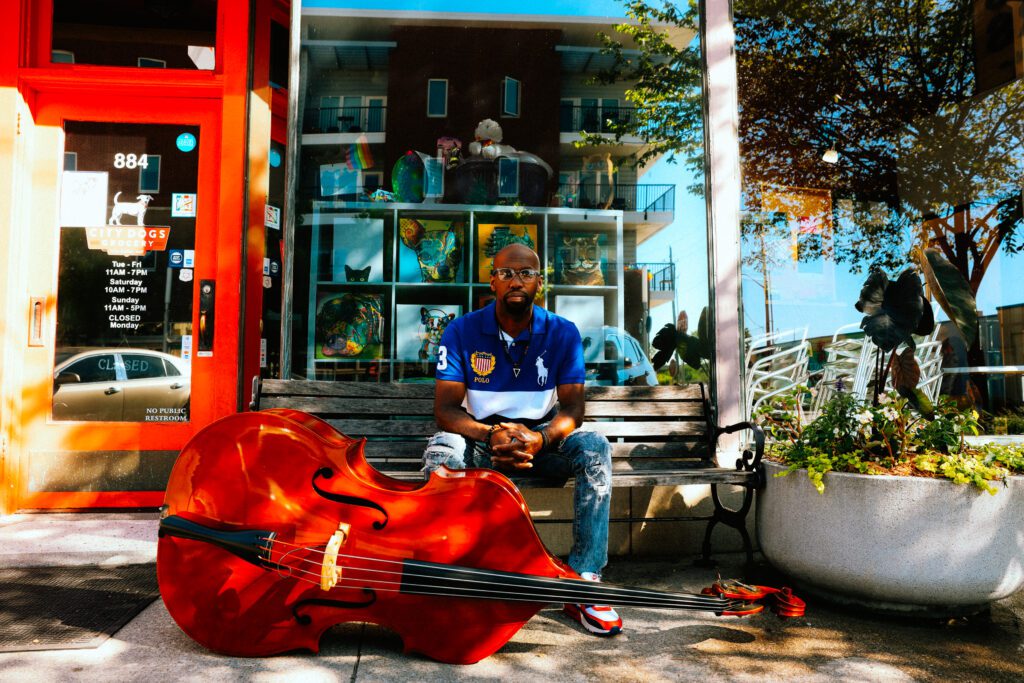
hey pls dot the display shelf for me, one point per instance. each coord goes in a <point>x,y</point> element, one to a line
<point>436,257</point>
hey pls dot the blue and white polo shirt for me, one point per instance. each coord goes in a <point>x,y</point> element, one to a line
<point>472,352</point>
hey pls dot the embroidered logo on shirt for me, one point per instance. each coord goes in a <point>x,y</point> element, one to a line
<point>542,372</point>
<point>483,363</point>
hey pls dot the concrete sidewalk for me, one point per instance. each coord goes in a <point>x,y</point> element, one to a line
<point>828,644</point>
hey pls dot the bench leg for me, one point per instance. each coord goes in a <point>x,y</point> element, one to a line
<point>736,519</point>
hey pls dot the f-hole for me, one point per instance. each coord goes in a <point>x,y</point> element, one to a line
<point>327,473</point>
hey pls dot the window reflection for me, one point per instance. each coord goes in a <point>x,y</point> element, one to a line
<point>418,163</point>
<point>869,132</point>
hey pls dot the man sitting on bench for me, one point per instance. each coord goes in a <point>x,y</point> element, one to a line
<point>499,372</point>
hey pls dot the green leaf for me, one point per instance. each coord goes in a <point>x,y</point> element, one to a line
<point>919,400</point>
<point>951,291</point>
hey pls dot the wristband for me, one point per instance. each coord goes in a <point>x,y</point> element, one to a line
<point>490,433</point>
<point>544,440</point>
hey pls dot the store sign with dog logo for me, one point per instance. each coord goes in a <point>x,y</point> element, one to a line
<point>128,240</point>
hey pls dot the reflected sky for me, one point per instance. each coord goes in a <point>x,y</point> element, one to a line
<point>596,8</point>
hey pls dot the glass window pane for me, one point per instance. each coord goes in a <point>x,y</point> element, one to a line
<point>175,35</point>
<point>125,275</point>
<point>382,269</point>
<point>149,173</point>
<point>142,366</point>
<point>95,368</point>
<point>869,151</point>
<point>437,98</point>
<point>510,106</point>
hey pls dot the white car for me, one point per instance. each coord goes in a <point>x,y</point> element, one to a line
<point>121,385</point>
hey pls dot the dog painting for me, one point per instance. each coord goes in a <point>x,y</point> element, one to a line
<point>437,245</point>
<point>419,328</point>
<point>136,208</point>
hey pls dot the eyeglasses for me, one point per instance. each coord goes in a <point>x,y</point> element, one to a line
<point>525,274</point>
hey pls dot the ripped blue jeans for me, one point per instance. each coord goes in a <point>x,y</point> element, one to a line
<point>587,456</point>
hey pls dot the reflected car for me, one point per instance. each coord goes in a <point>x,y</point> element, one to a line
<point>121,385</point>
<point>618,361</point>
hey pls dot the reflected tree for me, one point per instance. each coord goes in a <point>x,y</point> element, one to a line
<point>892,86</point>
<point>924,123</point>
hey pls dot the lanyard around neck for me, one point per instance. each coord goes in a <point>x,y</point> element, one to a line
<point>507,342</point>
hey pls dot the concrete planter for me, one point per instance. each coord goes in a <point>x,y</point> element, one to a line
<point>895,544</point>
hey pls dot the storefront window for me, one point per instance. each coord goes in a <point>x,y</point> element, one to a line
<point>872,134</point>
<point>418,164</point>
<point>124,291</point>
<point>164,34</point>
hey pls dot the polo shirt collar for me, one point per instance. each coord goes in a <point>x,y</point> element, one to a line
<point>538,326</point>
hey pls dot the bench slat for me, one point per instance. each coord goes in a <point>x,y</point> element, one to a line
<point>413,450</point>
<point>407,428</point>
<point>299,387</point>
<point>341,406</point>
<point>661,477</point>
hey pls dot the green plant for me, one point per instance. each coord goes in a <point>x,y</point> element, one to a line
<point>694,350</point>
<point>887,437</point>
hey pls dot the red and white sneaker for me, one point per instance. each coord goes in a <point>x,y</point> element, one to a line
<point>601,620</point>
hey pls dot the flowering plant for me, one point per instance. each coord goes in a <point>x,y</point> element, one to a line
<point>887,437</point>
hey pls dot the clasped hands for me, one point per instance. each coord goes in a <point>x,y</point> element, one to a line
<point>513,446</point>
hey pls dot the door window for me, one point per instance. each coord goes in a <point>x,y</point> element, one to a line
<point>125,277</point>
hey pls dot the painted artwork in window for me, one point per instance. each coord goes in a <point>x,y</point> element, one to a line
<point>437,246</point>
<point>349,326</point>
<point>419,329</point>
<point>358,254</point>
<point>581,259</point>
<point>493,237</point>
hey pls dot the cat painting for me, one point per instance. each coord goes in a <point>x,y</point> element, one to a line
<point>580,260</point>
<point>357,274</point>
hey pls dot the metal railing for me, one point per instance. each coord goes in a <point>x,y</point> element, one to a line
<point>574,118</point>
<point>345,120</point>
<point>620,196</point>
<point>661,277</point>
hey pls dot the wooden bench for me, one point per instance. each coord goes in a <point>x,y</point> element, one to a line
<point>660,436</point>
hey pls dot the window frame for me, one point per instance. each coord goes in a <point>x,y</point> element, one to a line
<point>430,82</point>
<point>149,160</point>
<point>506,113</point>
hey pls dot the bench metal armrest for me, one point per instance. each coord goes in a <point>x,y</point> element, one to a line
<point>749,462</point>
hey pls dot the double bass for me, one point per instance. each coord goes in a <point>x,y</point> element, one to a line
<point>275,528</point>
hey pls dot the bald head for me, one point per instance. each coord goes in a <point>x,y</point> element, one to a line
<point>515,297</point>
<point>519,253</point>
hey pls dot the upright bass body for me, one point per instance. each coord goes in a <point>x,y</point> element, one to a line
<point>281,529</point>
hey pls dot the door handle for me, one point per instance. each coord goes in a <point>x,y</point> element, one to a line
<point>37,310</point>
<point>111,391</point>
<point>207,317</point>
<point>177,385</point>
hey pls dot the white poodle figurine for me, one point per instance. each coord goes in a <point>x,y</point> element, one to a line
<point>488,139</point>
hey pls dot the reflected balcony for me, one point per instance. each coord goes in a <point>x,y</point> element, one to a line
<point>661,281</point>
<point>334,125</point>
<point>646,208</point>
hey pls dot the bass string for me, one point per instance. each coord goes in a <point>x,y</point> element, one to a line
<point>547,590</point>
<point>395,586</point>
<point>491,576</point>
<point>564,593</point>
